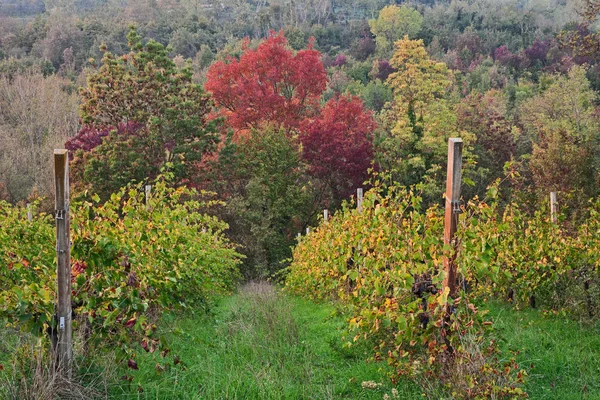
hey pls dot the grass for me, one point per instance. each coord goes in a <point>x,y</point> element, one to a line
<point>261,345</point>
<point>562,356</point>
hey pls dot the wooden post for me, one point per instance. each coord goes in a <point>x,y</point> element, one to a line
<point>553,207</point>
<point>64,346</point>
<point>307,230</point>
<point>299,235</point>
<point>29,213</point>
<point>325,215</point>
<point>359,199</point>
<point>148,190</point>
<point>452,209</point>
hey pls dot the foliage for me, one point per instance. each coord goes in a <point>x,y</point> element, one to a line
<point>130,260</point>
<point>418,79</point>
<point>289,156</point>
<point>168,112</point>
<point>383,266</point>
<point>392,24</point>
<point>420,119</point>
<point>486,117</point>
<point>337,145</point>
<point>531,260</point>
<point>561,122</point>
<point>269,197</point>
<point>268,84</point>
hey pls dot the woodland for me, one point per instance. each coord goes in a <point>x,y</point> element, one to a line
<point>248,119</point>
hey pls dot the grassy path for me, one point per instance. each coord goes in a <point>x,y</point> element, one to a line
<point>261,345</point>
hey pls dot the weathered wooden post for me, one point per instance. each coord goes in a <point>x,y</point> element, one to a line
<point>553,207</point>
<point>29,213</point>
<point>307,230</point>
<point>325,215</point>
<point>64,345</point>
<point>450,223</point>
<point>359,199</point>
<point>148,191</point>
<point>452,210</point>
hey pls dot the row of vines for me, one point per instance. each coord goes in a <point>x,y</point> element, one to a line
<point>384,266</point>
<point>131,260</point>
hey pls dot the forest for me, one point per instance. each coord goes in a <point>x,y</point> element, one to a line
<point>251,118</point>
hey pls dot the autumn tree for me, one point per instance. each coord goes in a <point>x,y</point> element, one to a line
<point>496,136</point>
<point>393,23</point>
<point>421,118</point>
<point>37,114</point>
<point>338,145</point>
<point>584,39</point>
<point>562,124</point>
<point>169,112</point>
<point>268,84</point>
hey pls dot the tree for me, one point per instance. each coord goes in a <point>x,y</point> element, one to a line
<point>338,145</point>
<point>169,112</point>
<point>268,84</point>
<point>37,114</point>
<point>486,116</point>
<point>418,79</point>
<point>421,118</point>
<point>561,123</point>
<point>272,199</point>
<point>393,24</point>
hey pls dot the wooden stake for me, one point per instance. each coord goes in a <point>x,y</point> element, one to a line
<point>452,210</point>
<point>148,192</point>
<point>29,213</point>
<point>553,207</point>
<point>307,230</point>
<point>325,215</point>
<point>64,346</point>
<point>359,199</point>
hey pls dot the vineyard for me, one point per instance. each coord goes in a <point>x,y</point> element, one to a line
<point>132,260</point>
<point>384,265</point>
<point>316,199</point>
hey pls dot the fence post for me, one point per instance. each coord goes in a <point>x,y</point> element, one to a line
<point>359,199</point>
<point>64,346</point>
<point>29,213</point>
<point>452,210</point>
<point>325,215</point>
<point>553,207</point>
<point>148,190</point>
<point>307,230</point>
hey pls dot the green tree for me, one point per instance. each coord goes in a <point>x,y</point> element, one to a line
<point>270,198</point>
<point>157,115</point>
<point>393,24</point>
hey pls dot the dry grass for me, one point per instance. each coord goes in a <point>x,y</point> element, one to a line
<point>261,307</point>
<point>32,373</point>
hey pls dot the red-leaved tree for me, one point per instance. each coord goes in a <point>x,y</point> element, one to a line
<point>338,146</point>
<point>268,84</point>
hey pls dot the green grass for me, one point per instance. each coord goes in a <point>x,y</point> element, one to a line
<point>261,345</point>
<point>562,356</point>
